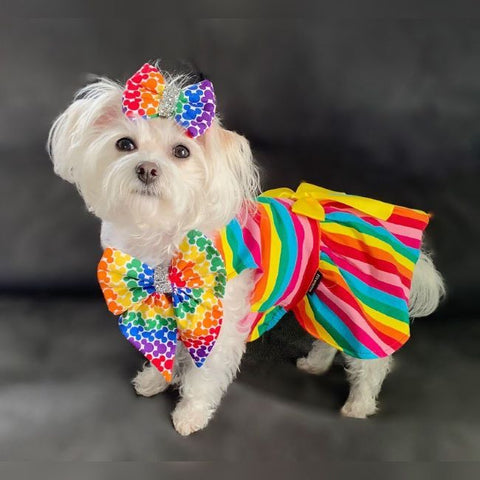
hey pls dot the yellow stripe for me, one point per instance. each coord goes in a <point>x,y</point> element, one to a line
<point>273,262</point>
<point>386,320</point>
<point>369,240</point>
<point>254,334</point>
<point>228,253</point>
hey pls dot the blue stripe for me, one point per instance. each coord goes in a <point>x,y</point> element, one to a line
<point>392,306</point>
<point>242,257</point>
<point>380,232</point>
<point>367,290</point>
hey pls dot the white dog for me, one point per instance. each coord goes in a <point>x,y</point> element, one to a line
<point>149,183</point>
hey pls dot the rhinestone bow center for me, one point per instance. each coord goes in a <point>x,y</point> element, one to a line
<point>161,281</point>
<point>168,102</point>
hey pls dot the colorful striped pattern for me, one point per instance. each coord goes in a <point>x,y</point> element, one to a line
<point>360,306</point>
<point>278,244</point>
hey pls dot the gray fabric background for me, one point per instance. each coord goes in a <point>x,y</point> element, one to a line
<point>382,107</point>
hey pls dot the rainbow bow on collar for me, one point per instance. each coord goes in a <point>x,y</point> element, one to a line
<point>146,95</point>
<point>159,305</point>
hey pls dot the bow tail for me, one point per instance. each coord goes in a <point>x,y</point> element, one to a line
<point>153,332</point>
<point>195,108</point>
<point>199,326</point>
<point>309,198</point>
<point>369,206</point>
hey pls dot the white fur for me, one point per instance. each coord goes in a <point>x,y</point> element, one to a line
<point>319,358</point>
<point>204,192</point>
<point>427,287</point>
<point>366,378</point>
<point>149,381</point>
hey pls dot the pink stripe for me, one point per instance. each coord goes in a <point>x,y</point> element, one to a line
<point>399,230</point>
<point>394,228</point>
<point>392,287</point>
<point>381,275</point>
<point>249,321</point>
<point>415,243</point>
<point>409,236</point>
<point>305,246</point>
<point>355,322</point>
<point>294,282</point>
<point>251,232</point>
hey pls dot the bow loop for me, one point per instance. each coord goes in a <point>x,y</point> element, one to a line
<point>152,317</point>
<point>124,280</point>
<point>147,95</point>
<point>143,92</point>
<point>309,201</point>
<point>195,108</point>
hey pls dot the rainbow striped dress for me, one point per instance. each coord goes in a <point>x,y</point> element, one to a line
<point>342,263</point>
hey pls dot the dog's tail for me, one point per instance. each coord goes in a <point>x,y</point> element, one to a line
<point>427,289</point>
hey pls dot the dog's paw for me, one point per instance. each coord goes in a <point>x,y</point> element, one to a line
<point>149,382</point>
<point>355,409</point>
<point>189,417</point>
<point>306,365</point>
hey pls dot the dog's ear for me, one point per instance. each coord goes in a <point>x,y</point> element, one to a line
<point>63,137</point>
<point>90,109</point>
<point>233,175</point>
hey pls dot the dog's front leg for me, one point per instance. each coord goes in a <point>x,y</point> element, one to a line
<point>201,389</point>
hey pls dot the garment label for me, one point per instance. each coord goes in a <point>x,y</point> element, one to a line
<point>315,282</point>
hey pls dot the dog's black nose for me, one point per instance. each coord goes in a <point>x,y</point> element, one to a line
<point>146,172</point>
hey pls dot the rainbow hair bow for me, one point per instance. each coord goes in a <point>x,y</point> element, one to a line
<point>158,306</point>
<point>147,95</point>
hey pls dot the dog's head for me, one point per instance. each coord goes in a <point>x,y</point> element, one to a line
<point>132,170</point>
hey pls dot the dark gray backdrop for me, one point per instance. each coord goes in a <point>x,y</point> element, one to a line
<point>382,107</point>
<point>387,108</point>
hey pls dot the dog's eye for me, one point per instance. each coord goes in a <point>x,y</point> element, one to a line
<point>125,144</point>
<point>181,151</point>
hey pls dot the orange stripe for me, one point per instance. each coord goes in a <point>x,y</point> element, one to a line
<point>265,228</point>
<point>311,325</point>
<point>386,330</point>
<point>371,251</point>
<point>410,213</point>
<point>218,244</point>
<point>337,279</point>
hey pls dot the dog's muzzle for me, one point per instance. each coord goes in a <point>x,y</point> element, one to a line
<point>147,172</point>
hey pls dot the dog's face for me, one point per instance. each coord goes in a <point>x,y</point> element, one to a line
<point>148,171</point>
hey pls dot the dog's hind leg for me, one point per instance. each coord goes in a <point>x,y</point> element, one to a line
<point>365,378</point>
<point>319,358</point>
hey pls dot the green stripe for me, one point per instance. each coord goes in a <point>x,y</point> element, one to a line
<point>380,233</point>
<point>381,307</point>
<point>269,320</point>
<point>235,240</point>
<point>281,283</point>
<point>340,340</point>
